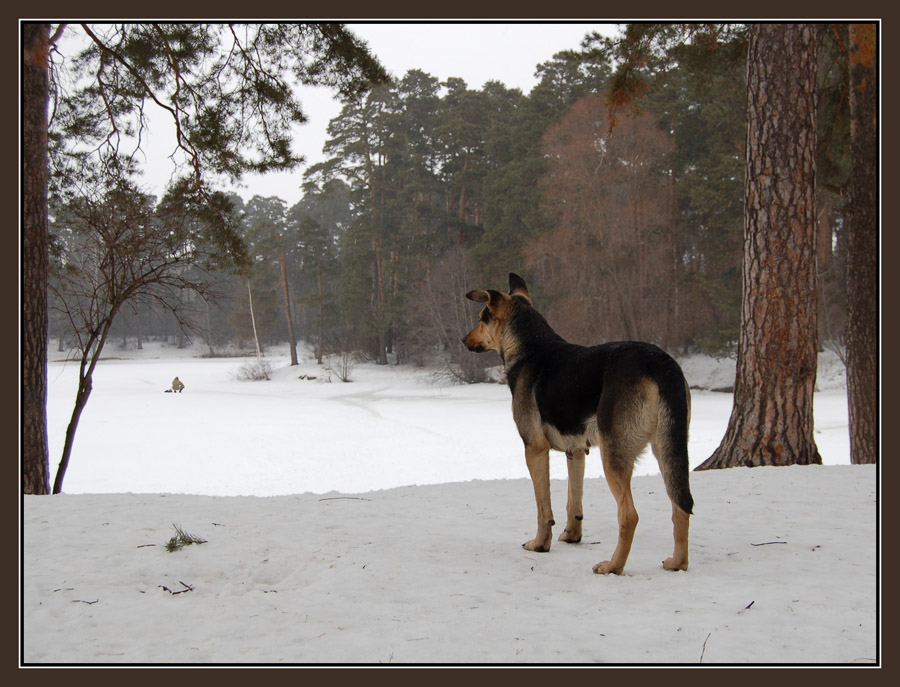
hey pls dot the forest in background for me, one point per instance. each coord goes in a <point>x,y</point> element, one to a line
<point>625,218</point>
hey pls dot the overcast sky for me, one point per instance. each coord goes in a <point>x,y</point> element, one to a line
<point>474,52</point>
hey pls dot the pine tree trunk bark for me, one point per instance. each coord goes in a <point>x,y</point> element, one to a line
<point>772,419</point>
<point>380,304</point>
<point>140,339</point>
<point>282,258</point>
<point>35,258</point>
<point>862,253</point>
<point>320,343</point>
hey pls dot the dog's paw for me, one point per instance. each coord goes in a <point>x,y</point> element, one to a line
<point>606,567</point>
<point>535,546</point>
<point>672,564</point>
<point>570,537</point>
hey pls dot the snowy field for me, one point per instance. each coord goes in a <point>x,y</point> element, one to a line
<point>380,522</point>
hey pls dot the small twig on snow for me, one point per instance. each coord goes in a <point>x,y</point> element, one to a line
<point>187,588</point>
<point>704,646</point>
<point>768,542</point>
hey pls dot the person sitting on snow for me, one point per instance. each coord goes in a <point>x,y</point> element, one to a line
<point>177,385</point>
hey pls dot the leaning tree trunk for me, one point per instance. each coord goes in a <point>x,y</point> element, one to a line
<point>772,418</point>
<point>90,356</point>
<point>862,253</point>
<point>35,258</point>
<point>255,334</point>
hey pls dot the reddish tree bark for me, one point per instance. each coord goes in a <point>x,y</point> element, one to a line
<point>772,419</point>
<point>35,257</point>
<point>862,248</point>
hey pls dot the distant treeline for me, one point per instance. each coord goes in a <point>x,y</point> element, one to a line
<point>626,221</point>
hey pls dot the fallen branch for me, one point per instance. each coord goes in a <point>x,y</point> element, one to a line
<point>182,539</point>
<point>704,646</point>
<point>187,588</point>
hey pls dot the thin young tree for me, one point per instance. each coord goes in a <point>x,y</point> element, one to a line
<point>118,250</point>
<point>772,419</point>
<point>229,90</point>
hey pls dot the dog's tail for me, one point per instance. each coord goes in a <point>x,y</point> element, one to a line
<point>672,437</point>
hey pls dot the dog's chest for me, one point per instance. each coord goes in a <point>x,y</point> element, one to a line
<point>570,443</point>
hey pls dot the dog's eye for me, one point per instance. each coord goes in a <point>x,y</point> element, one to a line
<point>485,316</point>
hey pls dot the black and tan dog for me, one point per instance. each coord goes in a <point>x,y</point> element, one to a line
<point>617,396</point>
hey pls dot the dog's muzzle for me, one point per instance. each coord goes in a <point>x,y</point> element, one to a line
<point>477,348</point>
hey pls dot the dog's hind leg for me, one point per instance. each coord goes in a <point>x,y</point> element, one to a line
<point>681,522</point>
<point>618,476</point>
<point>538,460</point>
<point>574,513</point>
<point>670,448</point>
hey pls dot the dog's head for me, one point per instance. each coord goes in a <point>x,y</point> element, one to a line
<point>491,330</point>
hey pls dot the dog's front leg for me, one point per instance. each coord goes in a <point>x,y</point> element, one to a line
<point>574,514</point>
<point>538,460</point>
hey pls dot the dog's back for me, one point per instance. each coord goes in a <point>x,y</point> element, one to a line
<point>632,392</point>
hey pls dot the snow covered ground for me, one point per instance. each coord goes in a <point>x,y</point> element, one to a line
<point>380,522</point>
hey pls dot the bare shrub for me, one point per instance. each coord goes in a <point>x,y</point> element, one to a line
<point>253,371</point>
<point>341,364</point>
<point>439,317</point>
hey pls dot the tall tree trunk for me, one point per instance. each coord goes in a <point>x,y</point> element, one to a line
<point>379,295</point>
<point>320,343</point>
<point>862,253</point>
<point>35,257</point>
<point>772,418</point>
<point>824,240</point>
<point>282,258</point>
<point>209,328</point>
<point>140,340</point>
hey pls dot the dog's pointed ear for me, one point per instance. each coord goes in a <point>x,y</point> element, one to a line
<point>491,297</point>
<point>517,287</point>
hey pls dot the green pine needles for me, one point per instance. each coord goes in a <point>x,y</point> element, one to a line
<point>182,539</point>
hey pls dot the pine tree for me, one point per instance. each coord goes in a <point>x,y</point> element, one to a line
<point>772,419</point>
<point>862,254</point>
<point>36,43</point>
